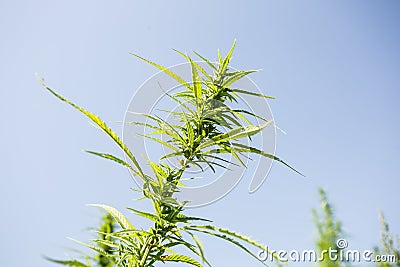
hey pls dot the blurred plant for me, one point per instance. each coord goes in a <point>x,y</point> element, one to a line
<point>207,129</point>
<point>329,232</point>
<point>390,245</point>
<point>108,226</point>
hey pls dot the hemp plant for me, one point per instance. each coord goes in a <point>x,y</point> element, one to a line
<point>390,245</point>
<point>329,232</point>
<point>207,130</point>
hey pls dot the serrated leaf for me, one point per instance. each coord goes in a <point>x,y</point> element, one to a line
<point>230,240</point>
<point>235,76</point>
<point>102,126</point>
<point>228,233</point>
<point>244,148</point>
<point>180,258</point>
<point>201,69</point>
<point>199,246</point>
<point>225,62</point>
<point>113,158</point>
<point>197,89</point>
<point>147,215</point>
<point>166,70</point>
<point>118,216</point>
<point>159,141</point>
<point>96,249</point>
<point>251,93</point>
<point>234,134</point>
<point>209,63</point>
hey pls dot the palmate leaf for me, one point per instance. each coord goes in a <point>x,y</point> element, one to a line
<point>118,216</point>
<point>102,126</point>
<point>234,134</point>
<point>224,111</point>
<point>166,128</point>
<point>235,76</point>
<point>181,258</point>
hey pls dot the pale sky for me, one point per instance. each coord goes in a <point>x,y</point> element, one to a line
<point>332,66</point>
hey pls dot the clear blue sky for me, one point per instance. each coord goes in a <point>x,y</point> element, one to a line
<point>333,67</point>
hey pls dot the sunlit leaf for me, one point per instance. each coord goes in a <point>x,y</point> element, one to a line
<point>118,216</point>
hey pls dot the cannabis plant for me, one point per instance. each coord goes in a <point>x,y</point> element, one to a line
<point>390,245</point>
<point>206,130</point>
<point>329,232</point>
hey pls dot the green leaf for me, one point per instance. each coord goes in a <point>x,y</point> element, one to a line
<point>102,126</point>
<point>174,154</point>
<point>73,263</point>
<point>145,125</point>
<point>167,128</point>
<point>238,112</point>
<point>244,148</point>
<point>202,70</point>
<point>175,98</point>
<point>225,63</point>
<point>199,246</point>
<point>118,216</point>
<point>180,258</point>
<point>234,76</point>
<point>147,215</point>
<point>229,239</point>
<point>166,70</point>
<point>106,243</point>
<point>206,60</point>
<point>234,134</point>
<point>251,93</point>
<point>183,218</point>
<point>197,89</point>
<point>113,158</point>
<point>159,141</point>
<point>96,249</point>
<point>233,234</point>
